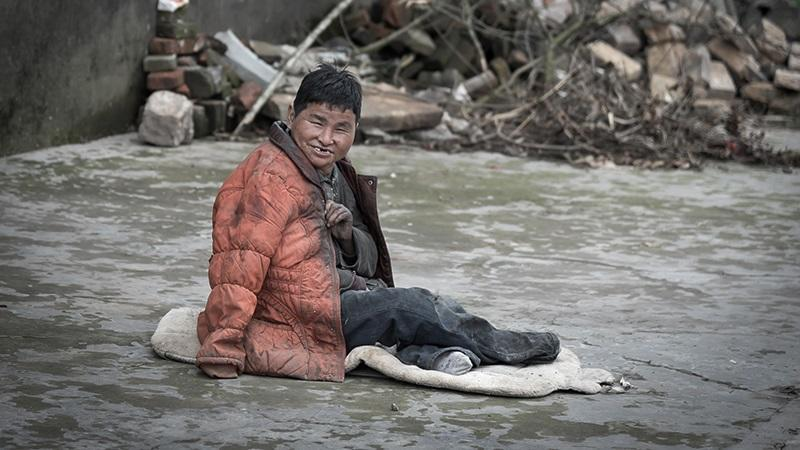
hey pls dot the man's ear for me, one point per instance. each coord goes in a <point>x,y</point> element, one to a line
<point>290,113</point>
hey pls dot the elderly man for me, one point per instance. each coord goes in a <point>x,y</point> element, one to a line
<point>300,273</point>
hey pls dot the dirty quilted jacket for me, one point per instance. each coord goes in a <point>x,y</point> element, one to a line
<point>274,304</point>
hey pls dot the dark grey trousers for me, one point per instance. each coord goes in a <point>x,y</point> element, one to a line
<point>424,325</point>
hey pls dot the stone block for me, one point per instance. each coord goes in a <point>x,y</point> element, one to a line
<point>662,87</point>
<point>787,79</point>
<point>167,120</point>
<point>200,122</point>
<point>759,92</point>
<point>216,113</point>
<point>659,33</point>
<point>162,46</point>
<point>772,42</point>
<point>624,38</point>
<point>159,63</point>
<point>157,81</point>
<point>743,65</point>
<point>721,85</point>
<point>204,82</point>
<point>666,59</point>
<point>697,66</point>
<point>624,64</point>
<point>397,112</point>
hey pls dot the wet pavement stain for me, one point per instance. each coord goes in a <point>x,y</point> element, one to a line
<point>686,283</point>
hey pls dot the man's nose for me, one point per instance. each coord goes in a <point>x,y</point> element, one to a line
<point>326,137</point>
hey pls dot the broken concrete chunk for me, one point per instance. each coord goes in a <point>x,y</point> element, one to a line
<point>204,82</point>
<point>735,34</point>
<point>787,79</point>
<point>760,92</point>
<point>167,120</point>
<point>721,84</point>
<point>794,62</point>
<point>271,53</point>
<point>418,41</point>
<point>662,87</point>
<point>741,64</point>
<point>157,81</point>
<point>713,108</point>
<point>773,43</point>
<point>612,8</point>
<point>624,64</point>
<point>475,87</point>
<point>659,33</point>
<point>159,63</point>
<point>666,59</point>
<point>556,11</point>
<point>697,65</point>
<point>247,65</point>
<point>623,37</point>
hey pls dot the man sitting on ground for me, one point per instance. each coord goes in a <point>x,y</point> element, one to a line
<point>283,219</point>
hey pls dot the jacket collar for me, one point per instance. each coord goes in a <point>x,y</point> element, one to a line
<point>279,135</point>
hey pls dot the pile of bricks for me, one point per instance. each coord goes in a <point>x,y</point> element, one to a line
<point>690,46</point>
<point>184,61</point>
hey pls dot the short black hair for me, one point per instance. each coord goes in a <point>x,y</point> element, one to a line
<point>329,85</point>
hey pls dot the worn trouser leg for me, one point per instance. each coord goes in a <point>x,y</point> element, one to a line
<point>417,317</point>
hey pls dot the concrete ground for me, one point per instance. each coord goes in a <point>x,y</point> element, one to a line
<point>685,283</point>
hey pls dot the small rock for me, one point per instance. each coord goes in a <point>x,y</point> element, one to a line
<point>735,34</point>
<point>476,86</point>
<point>787,79</point>
<point>624,64</point>
<point>167,120</point>
<point>517,58</point>
<point>721,84</point>
<point>773,43</point>
<point>659,33</point>
<point>666,59</point>
<point>741,64</point>
<point>271,53</point>
<point>395,407</point>
<point>418,41</point>
<point>623,37</point>
<point>760,92</point>
<point>611,8</point>
<point>794,62</point>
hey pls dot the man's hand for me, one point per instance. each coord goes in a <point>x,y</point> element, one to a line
<point>340,221</point>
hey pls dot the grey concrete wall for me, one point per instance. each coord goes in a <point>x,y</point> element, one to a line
<point>70,70</point>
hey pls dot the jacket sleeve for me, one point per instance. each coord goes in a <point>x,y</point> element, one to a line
<point>248,223</point>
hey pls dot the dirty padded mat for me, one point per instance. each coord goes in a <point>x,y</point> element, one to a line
<point>175,338</point>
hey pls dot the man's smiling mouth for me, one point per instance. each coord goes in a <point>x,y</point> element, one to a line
<point>322,151</point>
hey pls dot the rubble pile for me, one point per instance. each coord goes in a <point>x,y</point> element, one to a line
<point>650,83</point>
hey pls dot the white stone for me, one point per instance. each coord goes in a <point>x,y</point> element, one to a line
<point>624,64</point>
<point>167,120</point>
<point>721,84</point>
<point>787,79</point>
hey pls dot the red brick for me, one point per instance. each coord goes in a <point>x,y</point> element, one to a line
<point>164,80</point>
<point>162,46</point>
<point>247,94</point>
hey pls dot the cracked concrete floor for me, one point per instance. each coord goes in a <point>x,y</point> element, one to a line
<point>686,283</point>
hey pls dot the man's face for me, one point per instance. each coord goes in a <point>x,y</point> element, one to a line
<point>324,134</point>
